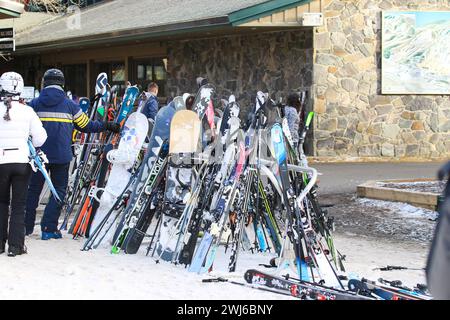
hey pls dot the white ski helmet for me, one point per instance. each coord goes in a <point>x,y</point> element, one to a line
<point>11,84</point>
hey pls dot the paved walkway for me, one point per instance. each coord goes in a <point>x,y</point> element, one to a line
<point>345,177</point>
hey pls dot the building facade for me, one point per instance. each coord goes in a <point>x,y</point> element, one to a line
<point>247,46</point>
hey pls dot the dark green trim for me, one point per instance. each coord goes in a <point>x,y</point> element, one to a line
<point>261,10</point>
<point>7,12</point>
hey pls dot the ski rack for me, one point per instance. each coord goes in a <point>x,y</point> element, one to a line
<point>298,169</point>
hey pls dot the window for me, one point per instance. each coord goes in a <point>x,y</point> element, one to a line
<point>118,73</point>
<point>150,70</point>
<point>75,78</point>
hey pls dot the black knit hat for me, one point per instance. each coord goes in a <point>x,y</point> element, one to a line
<point>54,77</point>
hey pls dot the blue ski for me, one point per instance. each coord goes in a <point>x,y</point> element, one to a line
<point>38,164</point>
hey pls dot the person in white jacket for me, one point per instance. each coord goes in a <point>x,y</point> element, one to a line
<point>18,123</point>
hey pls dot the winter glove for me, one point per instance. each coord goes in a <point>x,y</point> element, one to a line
<point>42,156</point>
<point>112,126</point>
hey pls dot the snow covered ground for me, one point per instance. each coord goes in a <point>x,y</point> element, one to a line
<point>57,269</point>
<point>370,233</point>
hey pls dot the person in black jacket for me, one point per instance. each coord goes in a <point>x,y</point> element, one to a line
<point>438,265</point>
<point>60,117</point>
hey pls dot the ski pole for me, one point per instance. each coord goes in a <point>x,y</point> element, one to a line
<point>391,268</point>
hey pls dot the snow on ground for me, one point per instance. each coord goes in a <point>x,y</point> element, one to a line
<point>403,209</point>
<point>57,269</point>
<point>416,186</point>
<point>381,219</point>
<point>364,254</point>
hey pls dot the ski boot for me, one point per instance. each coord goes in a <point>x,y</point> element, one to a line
<point>51,235</point>
<point>16,251</point>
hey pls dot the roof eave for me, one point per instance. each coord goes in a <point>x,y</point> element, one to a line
<point>128,35</point>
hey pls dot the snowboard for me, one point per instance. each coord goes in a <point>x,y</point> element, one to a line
<point>130,97</point>
<point>204,100</point>
<point>153,166</point>
<point>122,159</point>
<point>184,140</point>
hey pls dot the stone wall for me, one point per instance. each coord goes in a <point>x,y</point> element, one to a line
<point>354,119</point>
<point>276,62</point>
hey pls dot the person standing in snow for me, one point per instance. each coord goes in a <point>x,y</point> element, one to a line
<point>438,264</point>
<point>17,123</point>
<point>60,117</point>
<point>152,105</point>
<point>291,111</point>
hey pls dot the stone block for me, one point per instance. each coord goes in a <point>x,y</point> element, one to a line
<point>334,24</point>
<point>391,131</point>
<point>322,41</point>
<point>326,144</point>
<point>320,74</point>
<point>367,49</point>
<point>420,135</point>
<point>342,122</point>
<point>376,139</point>
<point>368,151</point>
<point>387,150</point>
<point>332,95</point>
<point>417,125</point>
<point>407,115</point>
<point>405,124</point>
<point>328,60</point>
<point>349,84</point>
<point>362,127</point>
<point>381,110</point>
<point>321,134</point>
<point>338,38</point>
<point>319,106</point>
<point>377,100</point>
<point>364,88</point>
<point>408,138</point>
<point>400,151</point>
<point>358,21</point>
<point>412,150</point>
<point>445,127</point>
<point>420,103</point>
<point>328,125</point>
<point>375,129</point>
<point>332,69</point>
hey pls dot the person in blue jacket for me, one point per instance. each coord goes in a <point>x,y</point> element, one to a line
<point>60,116</point>
<point>152,105</point>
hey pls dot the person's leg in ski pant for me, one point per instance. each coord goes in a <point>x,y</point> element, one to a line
<point>13,177</point>
<point>5,187</point>
<point>35,187</point>
<point>19,183</point>
<point>59,174</point>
